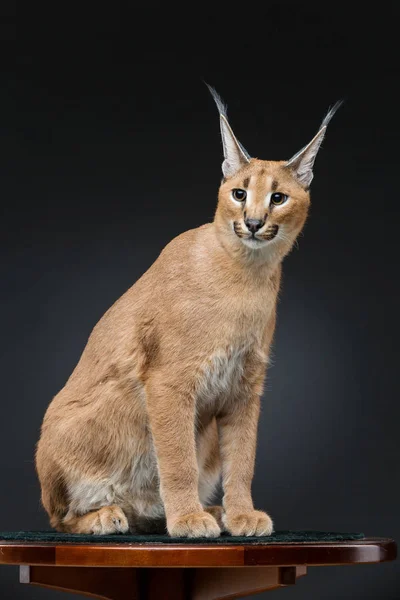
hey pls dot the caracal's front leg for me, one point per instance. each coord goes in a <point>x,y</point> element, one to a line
<point>171,408</point>
<point>238,436</point>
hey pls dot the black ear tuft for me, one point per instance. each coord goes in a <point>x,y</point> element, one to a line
<point>302,163</point>
<point>234,153</point>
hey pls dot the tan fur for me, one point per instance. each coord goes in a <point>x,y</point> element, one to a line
<point>166,395</point>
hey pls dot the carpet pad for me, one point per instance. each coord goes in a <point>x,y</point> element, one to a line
<point>277,537</point>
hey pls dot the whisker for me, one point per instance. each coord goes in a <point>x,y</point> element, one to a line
<point>285,238</point>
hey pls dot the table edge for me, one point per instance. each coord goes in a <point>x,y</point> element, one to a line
<point>368,550</point>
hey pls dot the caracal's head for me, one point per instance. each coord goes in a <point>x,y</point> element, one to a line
<point>263,204</point>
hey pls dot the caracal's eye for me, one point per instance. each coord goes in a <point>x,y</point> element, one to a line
<point>239,195</point>
<point>278,198</point>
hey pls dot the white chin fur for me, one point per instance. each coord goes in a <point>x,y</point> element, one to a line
<point>250,243</point>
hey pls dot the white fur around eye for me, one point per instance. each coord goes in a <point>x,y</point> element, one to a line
<point>246,202</point>
<point>268,200</point>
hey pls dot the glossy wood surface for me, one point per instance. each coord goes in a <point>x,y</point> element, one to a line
<point>369,550</point>
<point>181,571</point>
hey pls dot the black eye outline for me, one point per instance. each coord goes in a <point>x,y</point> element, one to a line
<point>234,194</point>
<point>278,201</point>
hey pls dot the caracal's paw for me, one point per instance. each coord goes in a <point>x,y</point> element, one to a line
<point>194,525</point>
<point>217,512</point>
<point>106,520</point>
<point>254,522</point>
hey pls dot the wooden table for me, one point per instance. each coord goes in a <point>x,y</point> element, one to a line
<point>181,571</point>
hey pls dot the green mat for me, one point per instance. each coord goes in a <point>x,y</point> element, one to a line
<point>76,538</point>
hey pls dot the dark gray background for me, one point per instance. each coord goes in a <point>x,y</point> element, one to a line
<point>115,150</point>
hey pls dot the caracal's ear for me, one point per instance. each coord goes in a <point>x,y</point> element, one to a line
<point>301,164</point>
<point>234,153</point>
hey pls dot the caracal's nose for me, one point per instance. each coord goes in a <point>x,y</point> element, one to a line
<point>254,225</point>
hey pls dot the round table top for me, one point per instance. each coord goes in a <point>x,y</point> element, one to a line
<point>367,550</point>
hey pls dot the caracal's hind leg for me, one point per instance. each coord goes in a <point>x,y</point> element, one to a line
<point>106,520</point>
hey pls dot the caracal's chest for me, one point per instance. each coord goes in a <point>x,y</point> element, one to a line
<point>222,375</point>
<point>224,372</point>
<point>236,340</point>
